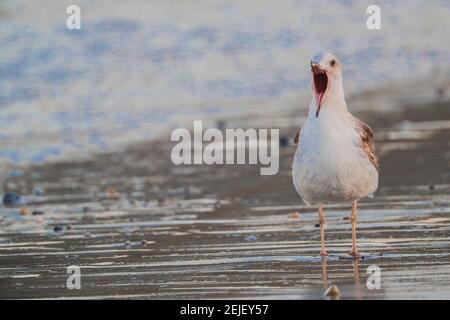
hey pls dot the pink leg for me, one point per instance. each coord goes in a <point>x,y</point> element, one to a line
<point>323,252</point>
<point>354,252</point>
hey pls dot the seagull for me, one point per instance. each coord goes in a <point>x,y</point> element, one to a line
<point>335,160</point>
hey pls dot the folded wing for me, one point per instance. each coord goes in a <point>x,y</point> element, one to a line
<point>297,136</point>
<point>367,142</point>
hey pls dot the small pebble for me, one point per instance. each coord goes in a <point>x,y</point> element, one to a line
<point>38,191</point>
<point>284,141</point>
<point>127,243</point>
<point>144,242</point>
<point>11,199</point>
<point>332,291</point>
<point>220,125</point>
<point>58,228</point>
<point>431,187</point>
<point>86,209</point>
<point>294,215</point>
<point>112,192</point>
<point>69,227</point>
<point>317,225</point>
<point>251,238</point>
<point>37,213</point>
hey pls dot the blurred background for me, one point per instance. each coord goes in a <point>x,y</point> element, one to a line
<point>139,67</point>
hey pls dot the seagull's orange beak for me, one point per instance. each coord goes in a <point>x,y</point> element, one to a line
<point>319,84</point>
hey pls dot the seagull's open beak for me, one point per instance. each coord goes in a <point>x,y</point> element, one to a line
<point>320,84</point>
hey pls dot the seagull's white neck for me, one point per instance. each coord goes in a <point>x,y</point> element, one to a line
<point>333,101</point>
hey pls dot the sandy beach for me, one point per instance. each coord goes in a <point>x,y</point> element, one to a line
<point>140,227</point>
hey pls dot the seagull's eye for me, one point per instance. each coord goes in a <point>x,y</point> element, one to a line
<point>332,63</point>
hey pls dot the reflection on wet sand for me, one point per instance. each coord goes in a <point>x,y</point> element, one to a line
<point>324,273</point>
<point>357,294</point>
<point>356,272</point>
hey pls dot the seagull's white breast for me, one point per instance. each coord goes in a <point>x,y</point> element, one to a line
<point>330,165</point>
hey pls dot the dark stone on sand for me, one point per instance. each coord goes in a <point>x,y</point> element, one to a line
<point>11,199</point>
<point>431,187</point>
<point>38,191</point>
<point>317,225</point>
<point>220,125</point>
<point>85,209</point>
<point>284,141</point>
<point>58,228</point>
<point>37,213</point>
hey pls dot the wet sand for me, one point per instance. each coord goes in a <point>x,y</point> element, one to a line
<point>140,227</point>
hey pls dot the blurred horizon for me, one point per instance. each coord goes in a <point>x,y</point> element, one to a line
<point>137,67</point>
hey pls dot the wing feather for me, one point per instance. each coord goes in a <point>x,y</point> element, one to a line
<point>367,142</point>
<point>297,136</point>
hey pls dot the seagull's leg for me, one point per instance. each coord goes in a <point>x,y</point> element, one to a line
<point>323,252</point>
<point>356,277</point>
<point>324,273</point>
<point>354,252</point>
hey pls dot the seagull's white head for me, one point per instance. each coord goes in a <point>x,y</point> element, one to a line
<point>326,73</point>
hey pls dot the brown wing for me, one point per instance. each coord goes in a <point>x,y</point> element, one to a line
<point>297,136</point>
<point>368,146</point>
